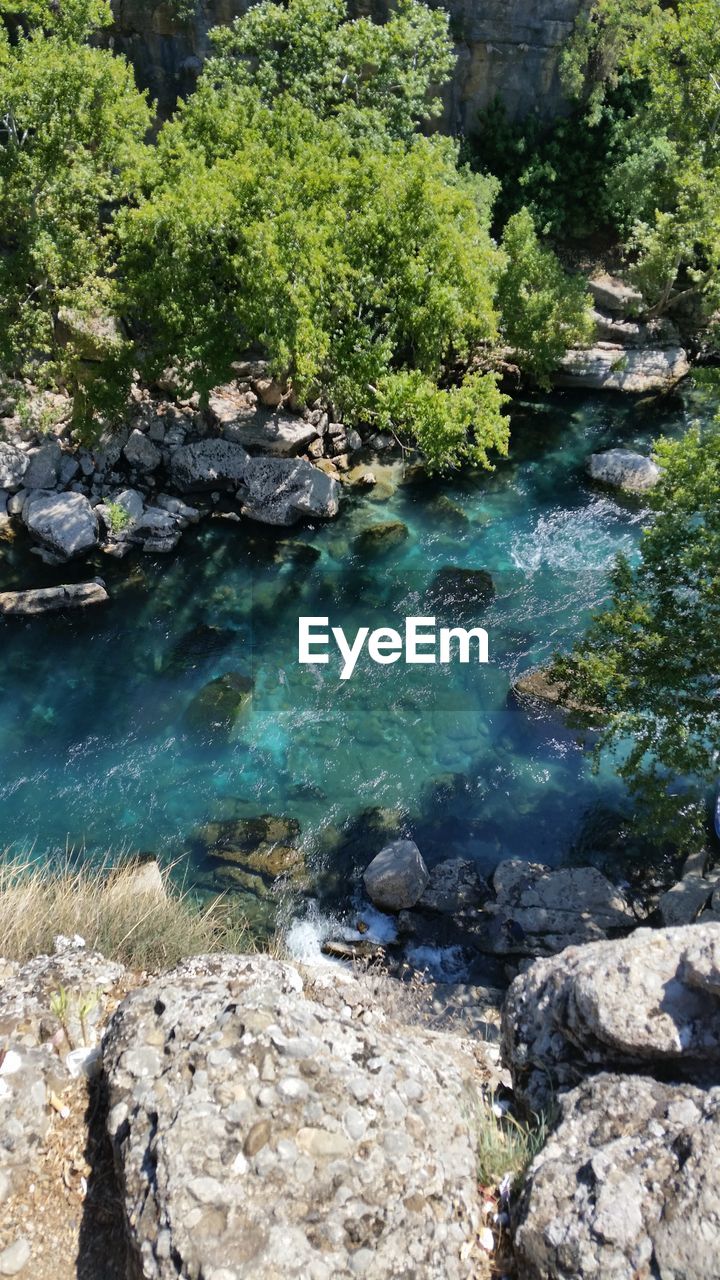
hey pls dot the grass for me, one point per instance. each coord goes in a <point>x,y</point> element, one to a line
<point>505,1145</point>
<point>146,928</point>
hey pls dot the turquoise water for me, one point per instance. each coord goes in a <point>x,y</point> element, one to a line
<point>95,750</point>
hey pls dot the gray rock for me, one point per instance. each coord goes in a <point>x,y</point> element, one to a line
<point>259,1132</point>
<point>93,336</point>
<point>16,502</point>
<point>13,465</point>
<point>154,522</point>
<point>260,432</point>
<point>647,1002</point>
<point>141,453</point>
<point>64,522</point>
<point>208,465</point>
<point>176,507</point>
<point>685,900</point>
<point>161,546</point>
<point>397,876</point>
<point>606,367</point>
<point>454,885</point>
<point>131,502</point>
<point>280,491</point>
<point>615,295</point>
<point>628,1185</point>
<point>3,502</point>
<point>76,595</point>
<point>623,469</point>
<point>69,467</point>
<point>44,469</point>
<point>15,1258</point>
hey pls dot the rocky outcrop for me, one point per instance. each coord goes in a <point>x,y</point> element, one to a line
<point>648,1003</point>
<point>623,469</point>
<point>627,1186</point>
<point>208,464</point>
<point>396,877</point>
<point>506,49</point>
<point>281,491</point>
<point>261,1131</point>
<point>610,367</point>
<point>75,595</point>
<point>65,523</point>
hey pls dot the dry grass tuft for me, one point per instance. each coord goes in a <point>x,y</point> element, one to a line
<point>505,1145</point>
<point>144,928</point>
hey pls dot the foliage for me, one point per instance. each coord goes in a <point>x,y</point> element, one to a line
<point>375,77</point>
<point>71,126</point>
<point>543,310</point>
<point>71,20</point>
<point>118,516</point>
<point>505,1145</point>
<point>651,660</point>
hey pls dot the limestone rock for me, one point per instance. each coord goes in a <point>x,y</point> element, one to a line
<point>615,295</point>
<point>623,469</point>
<point>397,876</point>
<point>64,522</point>
<point>44,469</point>
<point>628,1185</point>
<point>280,491</point>
<point>685,900</point>
<point>647,1002</point>
<point>93,335</point>
<point>454,885</point>
<point>76,595</point>
<point>258,1132</point>
<point>266,846</point>
<point>606,367</point>
<point>278,435</point>
<point>13,465</point>
<point>141,453</point>
<point>207,465</point>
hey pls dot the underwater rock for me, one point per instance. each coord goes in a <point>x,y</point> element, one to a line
<point>196,646</point>
<point>456,595</point>
<point>216,708</point>
<point>265,846</point>
<point>537,685</point>
<point>379,538</point>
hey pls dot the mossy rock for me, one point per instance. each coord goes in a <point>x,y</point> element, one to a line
<point>447,514</point>
<point>457,595</point>
<point>265,846</point>
<point>216,708</point>
<point>378,539</point>
<point>196,646</point>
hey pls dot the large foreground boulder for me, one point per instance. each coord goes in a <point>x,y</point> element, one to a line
<point>260,1133</point>
<point>627,1187</point>
<point>281,491</point>
<point>397,876</point>
<point>74,595</point>
<point>649,1002</point>
<point>64,522</point>
<point>206,465</point>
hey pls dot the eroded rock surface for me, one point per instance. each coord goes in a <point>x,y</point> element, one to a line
<point>623,469</point>
<point>259,1131</point>
<point>397,876</point>
<point>65,523</point>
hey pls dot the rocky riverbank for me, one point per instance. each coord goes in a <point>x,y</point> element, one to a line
<point>252,1117</point>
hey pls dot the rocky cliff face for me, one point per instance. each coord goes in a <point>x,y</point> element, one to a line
<point>506,48</point>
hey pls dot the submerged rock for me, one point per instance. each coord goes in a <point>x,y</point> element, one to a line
<point>265,846</point>
<point>648,1002</point>
<point>197,646</point>
<point>379,538</point>
<point>217,707</point>
<point>623,469</point>
<point>538,686</point>
<point>64,522</point>
<point>396,877</point>
<point>258,1132</point>
<point>627,1185</point>
<point>76,595</point>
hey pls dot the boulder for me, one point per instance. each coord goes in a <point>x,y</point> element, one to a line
<point>44,469</point>
<point>183,513</point>
<point>628,1185</point>
<point>76,595</point>
<point>538,910</point>
<point>615,295</point>
<point>649,1002</point>
<point>258,1132</point>
<point>13,465</point>
<point>279,435</point>
<point>64,522</point>
<point>280,491</point>
<point>606,367</point>
<point>538,686</point>
<point>457,595</point>
<point>623,469</point>
<point>266,846</point>
<point>207,465</point>
<point>379,538</point>
<point>216,708</point>
<point>396,877</point>
<point>454,885</point>
<point>685,900</point>
<point>141,453</point>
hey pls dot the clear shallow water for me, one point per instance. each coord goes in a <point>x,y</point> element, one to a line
<point>95,751</point>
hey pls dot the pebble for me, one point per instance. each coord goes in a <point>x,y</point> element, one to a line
<point>15,1257</point>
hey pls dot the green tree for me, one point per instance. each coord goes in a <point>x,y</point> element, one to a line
<point>71,130</point>
<point>543,310</point>
<point>650,662</point>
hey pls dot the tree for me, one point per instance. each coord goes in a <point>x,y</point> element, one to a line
<point>650,662</point>
<point>71,131</point>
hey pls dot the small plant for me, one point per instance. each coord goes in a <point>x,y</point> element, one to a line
<point>505,1145</point>
<point>118,518</point>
